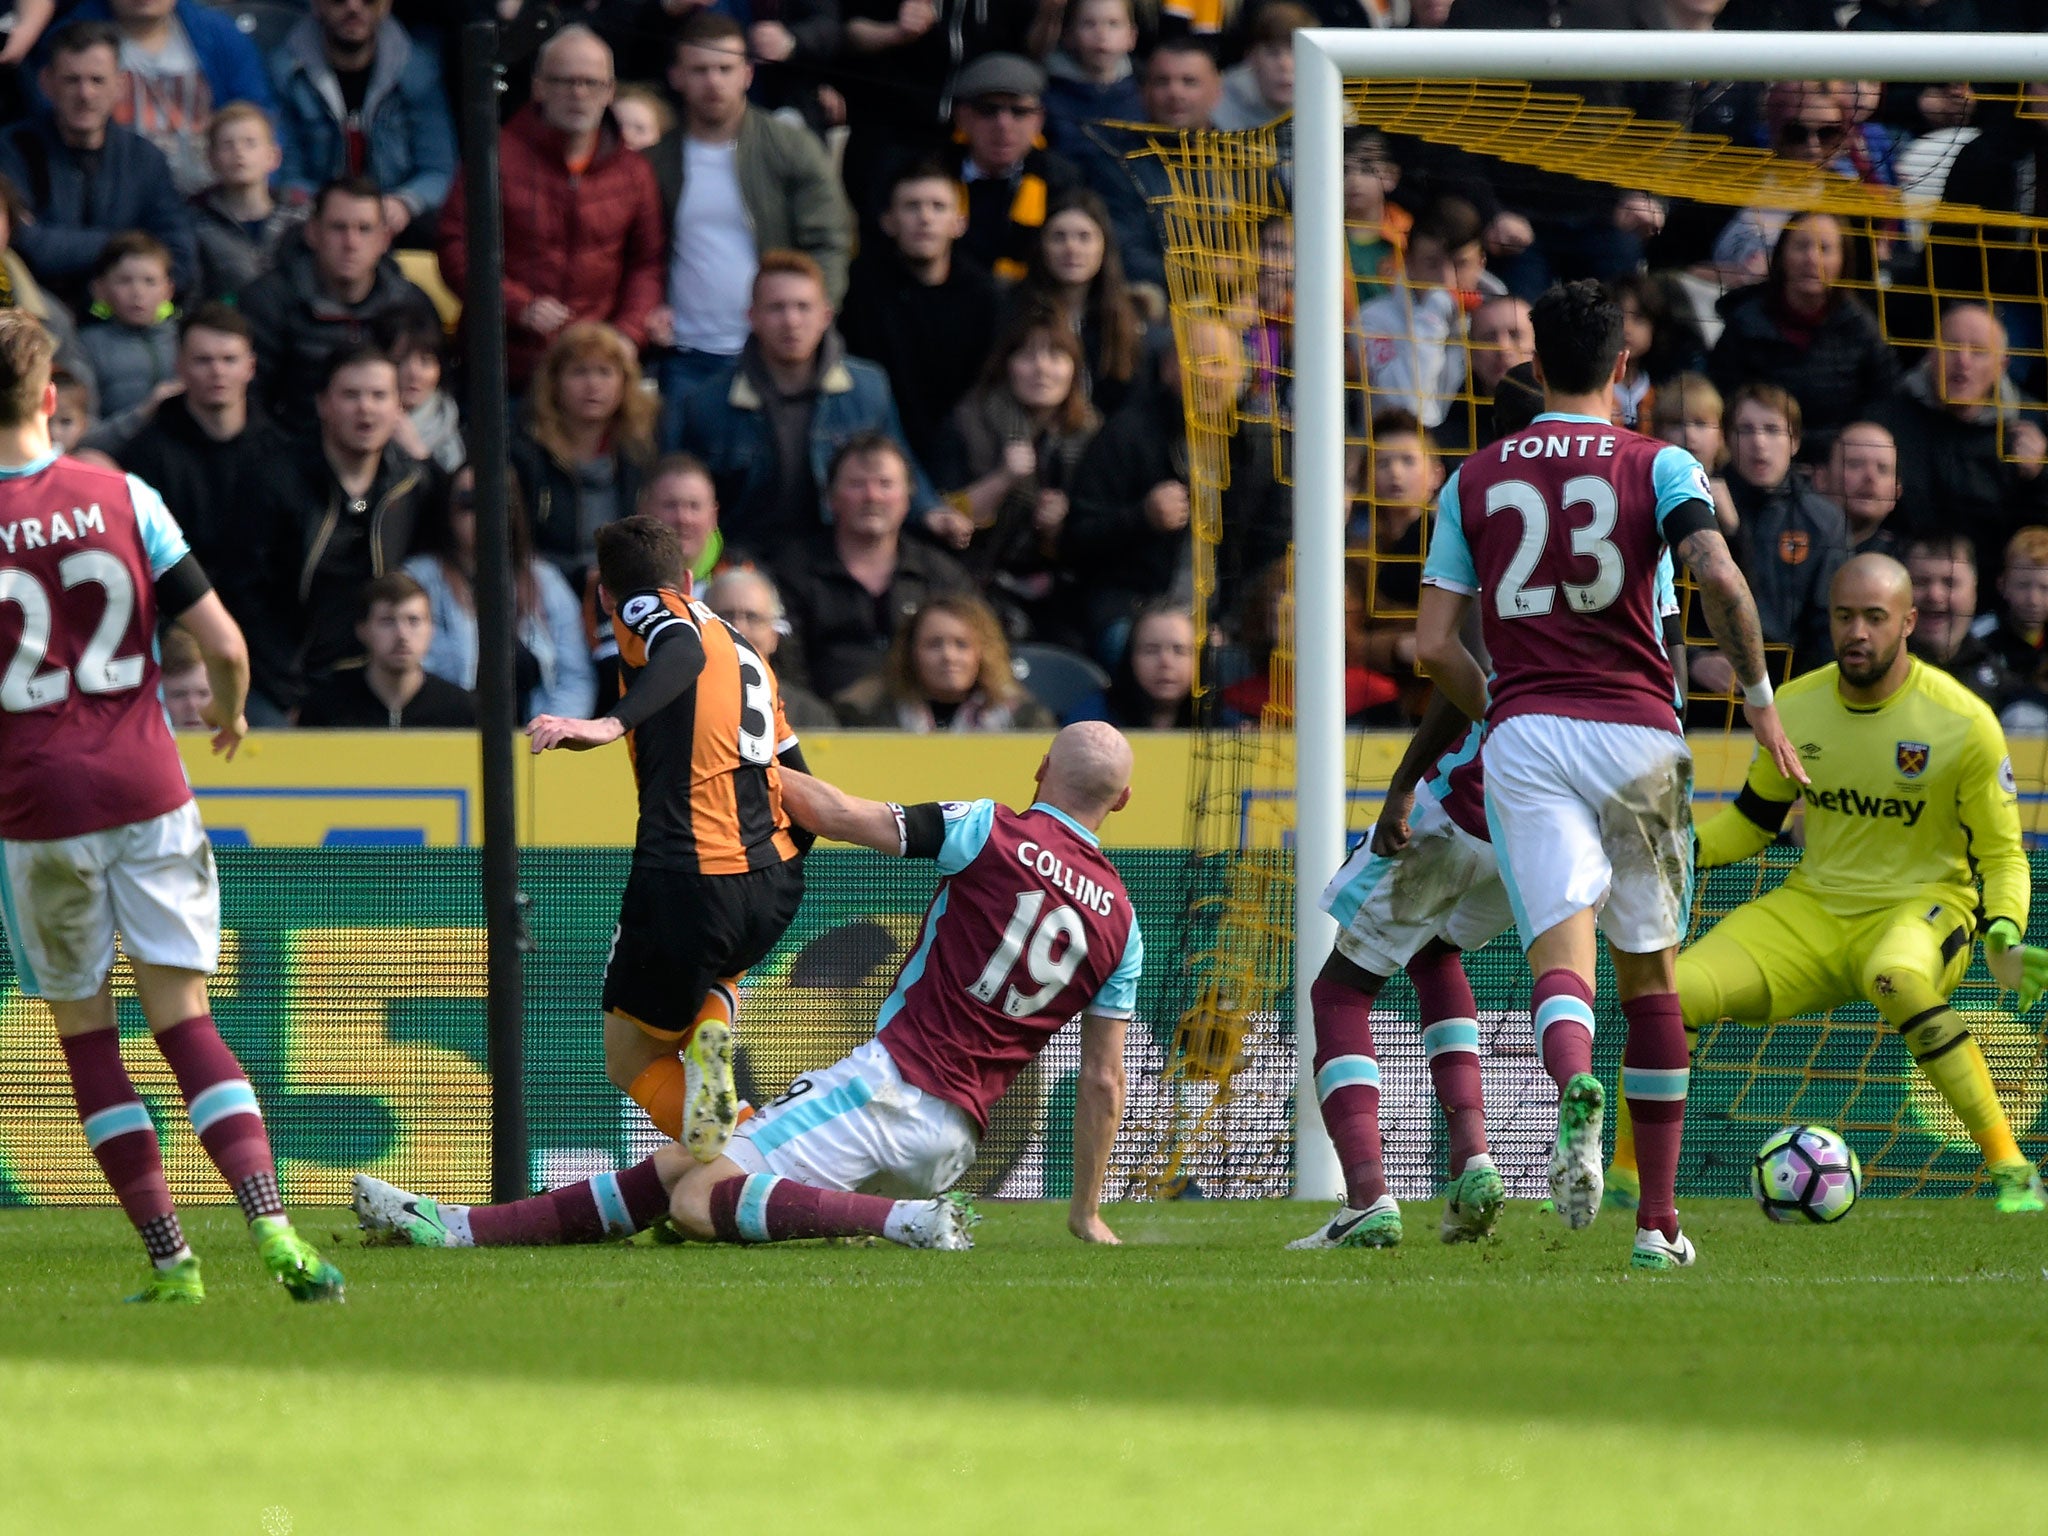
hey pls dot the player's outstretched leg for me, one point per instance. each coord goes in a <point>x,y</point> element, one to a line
<point>731,1206</point>
<point>1561,1008</point>
<point>1450,1041</point>
<point>1348,1090</point>
<point>123,1142</point>
<point>230,1126</point>
<point>1654,1073</point>
<point>610,1205</point>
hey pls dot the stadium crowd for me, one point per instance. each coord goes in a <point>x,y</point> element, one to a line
<point>866,299</point>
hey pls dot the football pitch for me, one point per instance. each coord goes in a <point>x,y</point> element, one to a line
<point>1887,1374</point>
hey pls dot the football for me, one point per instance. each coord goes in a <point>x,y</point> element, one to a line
<point>1806,1172</point>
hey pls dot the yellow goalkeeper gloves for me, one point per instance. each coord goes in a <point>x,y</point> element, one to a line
<point>2017,967</point>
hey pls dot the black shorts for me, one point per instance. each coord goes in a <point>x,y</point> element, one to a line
<point>679,933</point>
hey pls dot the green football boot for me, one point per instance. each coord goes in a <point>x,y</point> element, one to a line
<point>2019,1188</point>
<point>1575,1182</point>
<point>179,1283</point>
<point>1473,1202</point>
<point>293,1262</point>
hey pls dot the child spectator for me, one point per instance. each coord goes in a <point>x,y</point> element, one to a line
<point>1401,477</point>
<point>240,226</point>
<point>645,118</point>
<point>1415,358</point>
<point>1662,338</point>
<point>1792,539</point>
<point>1076,268</point>
<point>948,670</point>
<point>132,337</point>
<point>2016,636</point>
<point>1374,229</point>
<point>76,412</point>
<point>1688,412</point>
<point>1262,87</point>
<point>188,693</point>
<point>431,428</point>
<point>392,689</point>
<point>1089,80</point>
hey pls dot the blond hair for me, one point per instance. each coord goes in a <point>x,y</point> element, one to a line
<point>632,425</point>
<point>27,350</point>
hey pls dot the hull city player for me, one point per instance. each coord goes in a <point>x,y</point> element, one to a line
<point>1556,531</point>
<point>98,832</point>
<point>1030,927</point>
<point>716,874</point>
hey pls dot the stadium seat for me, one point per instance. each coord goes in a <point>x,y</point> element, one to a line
<point>1057,677</point>
<point>263,22</point>
<point>423,271</point>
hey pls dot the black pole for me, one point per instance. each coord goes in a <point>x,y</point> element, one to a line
<point>497,697</point>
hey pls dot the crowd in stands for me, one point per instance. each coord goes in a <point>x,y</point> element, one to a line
<point>867,300</point>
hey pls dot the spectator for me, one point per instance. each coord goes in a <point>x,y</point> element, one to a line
<point>20,290</point>
<point>1008,457</point>
<point>1152,686</point>
<point>734,181</point>
<point>588,439</point>
<point>1816,123</point>
<point>1861,477</point>
<point>644,117</point>
<point>948,670</point>
<point>1401,479</point>
<point>1261,88</point>
<point>1918,108</point>
<point>1801,330</point>
<point>551,665</point>
<point>2000,171</point>
<point>1126,536</point>
<point>1371,698</point>
<point>849,587</point>
<point>431,428</point>
<point>1662,337</point>
<point>132,337</point>
<point>1076,268</point>
<point>1689,412</point>
<point>1791,540</point>
<point>187,691</point>
<point>335,511</point>
<point>1090,77</point>
<point>338,289</point>
<point>582,213</point>
<point>1414,334</point>
<point>2015,638</point>
<point>357,97</point>
<point>180,61</point>
<point>1182,87</point>
<point>206,450</point>
<point>392,689</point>
<point>84,176</point>
<point>679,492</point>
<point>241,229</point>
<point>917,307</point>
<point>1969,450</point>
<point>1944,571</point>
<point>1499,338</point>
<point>75,415</point>
<point>747,600</point>
<point>1269,340</point>
<point>1375,229</point>
<point>1007,179</point>
<point>768,426</point>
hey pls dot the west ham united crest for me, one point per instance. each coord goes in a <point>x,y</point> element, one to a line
<point>1912,758</point>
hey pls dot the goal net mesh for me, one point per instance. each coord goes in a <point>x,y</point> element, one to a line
<point>1228,999</point>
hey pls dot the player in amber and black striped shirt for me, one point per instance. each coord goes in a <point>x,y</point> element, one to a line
<point>716,875</point>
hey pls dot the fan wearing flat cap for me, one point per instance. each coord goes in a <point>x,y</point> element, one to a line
<point>1006,174</point>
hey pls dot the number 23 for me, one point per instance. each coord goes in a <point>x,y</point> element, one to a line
<point>1514,599</point>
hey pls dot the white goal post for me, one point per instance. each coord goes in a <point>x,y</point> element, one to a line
<point>1324,59</point>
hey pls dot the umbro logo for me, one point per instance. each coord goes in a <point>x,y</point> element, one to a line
<point>1809,749</point>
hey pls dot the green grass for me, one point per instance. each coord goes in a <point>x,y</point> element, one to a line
<point>1889,1374</point>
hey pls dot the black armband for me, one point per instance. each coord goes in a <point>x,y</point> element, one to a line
<point>182,586</point>
<point>1688,518</point>
<point>1768,814</point>
<point>922,829</point>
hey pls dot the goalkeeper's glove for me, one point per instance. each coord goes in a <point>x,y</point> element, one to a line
<point>2017,967</point>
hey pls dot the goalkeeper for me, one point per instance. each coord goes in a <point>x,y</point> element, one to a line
<point>1911,804</point>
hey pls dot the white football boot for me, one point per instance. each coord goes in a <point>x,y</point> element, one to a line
<point>1654,1250</point>
<point>1377,1226</point>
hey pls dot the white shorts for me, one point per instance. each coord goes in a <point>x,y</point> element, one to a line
<point>1443,884</point>
<point>859,1126</point>
<point>152,882</point>
<point>1592,814</point>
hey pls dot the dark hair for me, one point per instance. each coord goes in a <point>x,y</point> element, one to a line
<point>359,187</point>
<point>1277,22</point>
<point>393,587</point>
<point>126,244</point>
<point>671,464</point>
<point>436,537</point>
<point>1578,337</point>
<point>1108,306</point>
<point>351,357</point>
<point>1774,274</point>
<point>12,208</point>
<point>1130,705</point>
<point>864,445</point>
<point>1517,400</point>
<point>409,329</point>
<point>1186,43</point>
<point>1958,547</point>
<point>1676,345</point>
<point>81,35</point>
<point>1398,421</point>
<point>708,26</point>
<point>1450,221</point>
<point>216,316</point>
<point>1035,317</point>
<point>638,554</point>
<point>926,169</point>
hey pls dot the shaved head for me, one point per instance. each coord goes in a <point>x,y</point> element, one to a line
<point>1872,578</point>
<point>1870,614</point>
<point>1087,771</point>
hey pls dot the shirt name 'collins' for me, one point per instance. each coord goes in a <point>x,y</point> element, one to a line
<point>1047,864</point>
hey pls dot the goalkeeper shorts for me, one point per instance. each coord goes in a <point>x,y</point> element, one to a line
<point>1814,960</point>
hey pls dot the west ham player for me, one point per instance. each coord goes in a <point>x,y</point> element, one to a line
<point>1030,926</point>
<point>98,832</point>
<point>1557,530</point>
<point>716,874</point>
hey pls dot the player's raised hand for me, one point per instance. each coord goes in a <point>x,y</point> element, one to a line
<point>1770,735</point>
<point>227,734</point>
<point>2017,967</point>
<point>1390,832</point>
<point>546,731</point>
<point>1092,1229</point>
